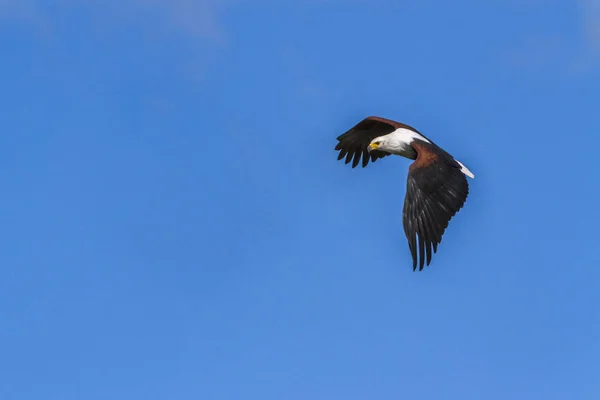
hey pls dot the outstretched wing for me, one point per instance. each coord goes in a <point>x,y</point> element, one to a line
<point>436,189</point>
<point>355,142</point>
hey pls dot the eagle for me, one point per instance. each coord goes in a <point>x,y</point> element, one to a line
<point>436,188</point>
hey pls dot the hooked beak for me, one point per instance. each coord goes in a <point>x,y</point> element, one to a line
<point>373,146</point>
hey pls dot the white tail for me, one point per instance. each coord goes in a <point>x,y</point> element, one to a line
<point>465,170</point>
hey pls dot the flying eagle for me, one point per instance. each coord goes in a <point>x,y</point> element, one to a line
<point>436,184</point>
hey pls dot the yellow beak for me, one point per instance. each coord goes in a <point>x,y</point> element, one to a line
<point>373,146</point>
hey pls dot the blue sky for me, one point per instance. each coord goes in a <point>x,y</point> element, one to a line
<point>176,225</point>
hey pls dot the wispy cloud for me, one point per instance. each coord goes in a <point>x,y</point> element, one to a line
<point>198,18</point>
<point>14,7</point>
<point>19,9</point>
<point>590,12</point>
<point>574,55</point>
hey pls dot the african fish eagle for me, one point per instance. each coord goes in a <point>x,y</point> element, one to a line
<point>436,187</point>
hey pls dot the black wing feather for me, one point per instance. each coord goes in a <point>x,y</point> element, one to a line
<point>354,143</point>
<point>434,194</point>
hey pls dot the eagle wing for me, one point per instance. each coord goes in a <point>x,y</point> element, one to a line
<point>354,143</point>
<point>436,190</point>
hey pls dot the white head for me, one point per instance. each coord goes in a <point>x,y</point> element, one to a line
<point>397,142</point>
<point>385,143</point>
